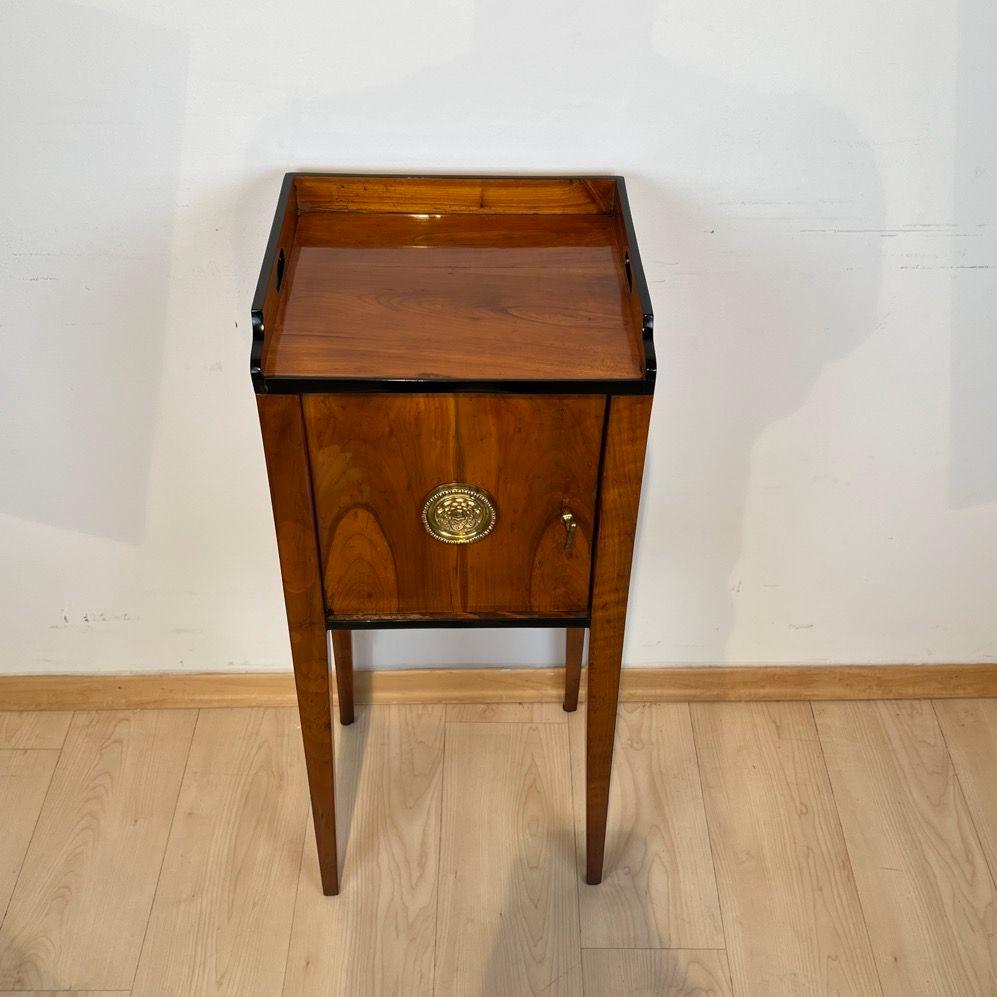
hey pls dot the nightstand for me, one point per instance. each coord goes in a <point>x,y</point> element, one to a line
<point>454,380</point>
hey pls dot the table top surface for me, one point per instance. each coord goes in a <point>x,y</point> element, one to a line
<point>498,290</point>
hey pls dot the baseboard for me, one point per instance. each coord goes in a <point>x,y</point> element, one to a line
<point>503,685</point>
<point>726,683</point>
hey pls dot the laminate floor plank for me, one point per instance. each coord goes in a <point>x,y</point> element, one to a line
<point>222,917</point>
<point>379,935</point>
<point>650,972</point>
<point>39,730</point>
<point>64,993</point>
<point>521,713</point>
<point>659,889</point>
<point>24,780</point>
<point>80,906</point>
<point>792,918</point>
<point>508,901</point>
<point>970,729</point>
<point>927,891</point>
<point>461,845</point>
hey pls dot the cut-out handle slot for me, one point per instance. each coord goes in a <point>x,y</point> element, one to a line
<point>279,279</point>
<point>629,272</point>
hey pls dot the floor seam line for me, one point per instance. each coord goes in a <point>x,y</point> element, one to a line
<point>439,846</point>
<point>34,829</point>
<point>844,841</point>
<point>166,848</point>
<point>709,838</point>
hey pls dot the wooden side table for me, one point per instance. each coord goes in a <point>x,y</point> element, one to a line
<point>454,380</point>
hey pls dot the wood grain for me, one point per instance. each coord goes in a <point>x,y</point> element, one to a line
<point>574,646</point>
<point>619,498</point>
<point>436,311</point>
<point>379,936</point>
<point>364,230</point>
<point>452,279</point>
<point>928,894</point>
<point>222,916</point>
<point>283,428</point>
<point>659,890</point>
<point>375,458</point>
<point>437,194</point>
<point>33,730</point>
<point>180,690</point>
<point>791,912</point>
<point>64,993</point>
<point>342,656</point>
<point>676,973</point>
<point>931,920</point>
<point>970,729</point>
<point>24,781</point>
<point>778,683</point>
<point>105,821</point>
<point>520,713</point>
<point>706,683</point>
<point>508,919</point>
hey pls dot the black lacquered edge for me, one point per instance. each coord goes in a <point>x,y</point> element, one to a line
<point>318,385</point>
<point>640,284</point>
<point>311,385</point>
<point>597,511</point>
<point>459,176</point>
<point>333,622</point>
<point>266,275</point>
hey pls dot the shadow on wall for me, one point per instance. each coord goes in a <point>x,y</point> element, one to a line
<point>750,309</point>
<point>93,114</point>
<point>973,389</point>
<point>758,216</point>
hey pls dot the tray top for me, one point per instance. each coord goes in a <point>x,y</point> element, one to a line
<point>437,283</point>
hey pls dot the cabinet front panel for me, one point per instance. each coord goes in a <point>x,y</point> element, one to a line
<point>376,458</point>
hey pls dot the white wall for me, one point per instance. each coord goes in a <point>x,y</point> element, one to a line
<point>813,187</point>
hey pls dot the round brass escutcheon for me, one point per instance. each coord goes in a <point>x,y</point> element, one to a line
<point>458,513</point>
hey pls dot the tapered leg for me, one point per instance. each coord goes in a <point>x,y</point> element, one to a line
<point>283,427</point>
<point>573,646</point>
<point>342,655</point>
<point>622,471</point>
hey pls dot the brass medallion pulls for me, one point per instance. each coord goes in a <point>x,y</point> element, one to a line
<point>458,513</point>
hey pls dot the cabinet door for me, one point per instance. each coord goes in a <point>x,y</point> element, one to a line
<point>376,458</point>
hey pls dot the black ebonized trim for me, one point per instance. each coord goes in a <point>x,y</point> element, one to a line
<point>267,272</point>
<point>460,176</point>
<point>597,511</point>
<point>331,385</point>
<point>333,622</point>
<point>640,283</point>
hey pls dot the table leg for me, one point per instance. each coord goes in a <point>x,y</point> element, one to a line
<point>622,471</point>
<point>282,423</point>
<point>342,655</point>
<point>573,646</point>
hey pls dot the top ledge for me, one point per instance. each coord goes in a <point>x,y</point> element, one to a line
<point>452,284</point>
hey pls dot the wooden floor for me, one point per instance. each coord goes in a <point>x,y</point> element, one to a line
<point>764,848</point>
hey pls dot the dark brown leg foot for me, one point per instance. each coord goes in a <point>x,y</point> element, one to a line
<point>342,653</point>
<point>600,733</point>
<point>574,644</point>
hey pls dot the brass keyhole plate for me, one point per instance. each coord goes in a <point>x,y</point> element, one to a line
<point>458,513</point>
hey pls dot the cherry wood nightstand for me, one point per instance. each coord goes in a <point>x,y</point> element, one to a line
<point>454,380</point>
